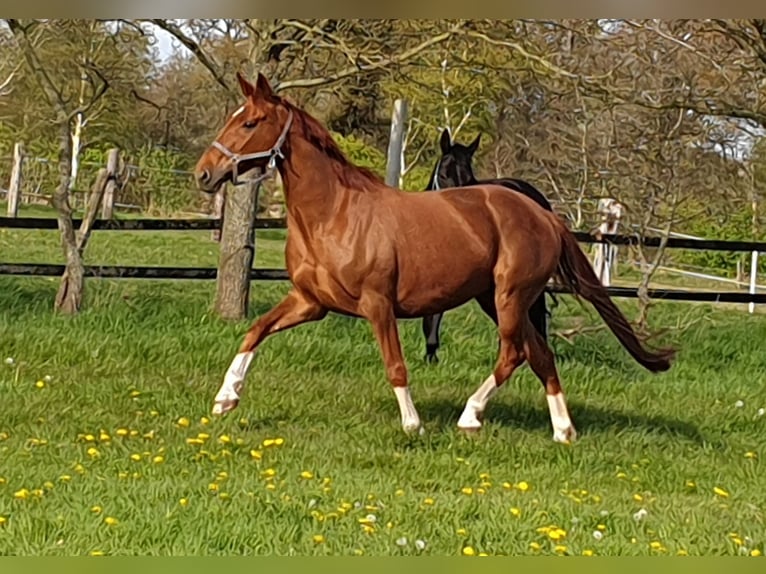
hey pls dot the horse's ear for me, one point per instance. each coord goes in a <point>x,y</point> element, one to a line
<point>474,144</point>
<point>263,88</point>
<point>445,141</point>
<point>247,88</point>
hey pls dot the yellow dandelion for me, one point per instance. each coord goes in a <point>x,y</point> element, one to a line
<point>3,520</point>
<point>638,497</point>
<point>279,441</point>
<point>515,511</point>
<point>96,509</point>
<point>40,384</point>
<point>104,436</point>
<point>461,532</point>
<point>134,394</point>
<point>307,474</point>
<point>481,491</point>
<point>368,528</point>
<point>89,438</point>
<point>159,459</point>
<point>183,422</point>
<point>122,432</point>
<point>428,501</point>
<point>269,473</point>
<point>720,492</point>
<point>318,538</point>
<point>535,546</point>
<point>469,551</point>
<point>65,478</point>
<point>601,527</point>
<point>22,494</point>
<point>122,474</point>
<point>224,496</point>
<point>224,439</point>
<point>154,413</point>
<point>755,552</point>
<point>622,475</point>
<point>467,490</point>
<point>482,554</point>
<point>587,552</point>
<point>203,436</point>
<point>399,492</point>
<point>691,484</point>
<point>134,432</point>
<point>47,484</point>
<point>96,552</point>
<point>556,534</point>
<point>523,486</point>
<point>79,469</point>
<point>4,436</point>
<point>195,441</point>
<point>183,502</point>
<point>560,549</point>
<point>751,454</point>
<point>212,487</point>
<point>507,485</point>
<point>737,541</point>
<point>111,521</point>
<point>484,476</point>
<point>256,454</point>
<point>93,453</point>
<point>204,421</point>
<point>655,545</point>
<point>135,457</point>
<point>358,552</point>
<point>682,552</point>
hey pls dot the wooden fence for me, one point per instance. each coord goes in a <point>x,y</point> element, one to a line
<point>206,273</point>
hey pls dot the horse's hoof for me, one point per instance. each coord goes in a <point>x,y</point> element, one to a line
<point>222,407</point>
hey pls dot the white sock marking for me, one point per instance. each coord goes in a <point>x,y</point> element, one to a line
<point>476,403</point>
<point>563,430</point>
<point>233,381</point>
<point>410,418</point>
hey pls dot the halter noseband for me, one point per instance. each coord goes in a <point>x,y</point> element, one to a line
<point>273,153</point>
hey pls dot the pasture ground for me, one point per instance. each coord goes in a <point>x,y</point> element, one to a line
<point>106,445</point>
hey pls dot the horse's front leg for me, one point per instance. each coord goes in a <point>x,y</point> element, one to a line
<point>295,309</point>
<point>383,322</point>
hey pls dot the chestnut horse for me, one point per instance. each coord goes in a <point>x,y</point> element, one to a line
<point>454,169</point>
<point>360,248</point>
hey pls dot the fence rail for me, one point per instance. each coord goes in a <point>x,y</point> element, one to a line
<point>198,224</point>
<point>264,274</point>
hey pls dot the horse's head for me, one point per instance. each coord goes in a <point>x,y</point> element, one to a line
<point>252,137</point>
<point>454,168</point>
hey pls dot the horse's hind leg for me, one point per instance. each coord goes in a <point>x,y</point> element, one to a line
<point>542,363</point>
<point>512,320</point>
<point>431,325</point>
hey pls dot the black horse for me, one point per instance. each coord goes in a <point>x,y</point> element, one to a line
<point>454,170</point>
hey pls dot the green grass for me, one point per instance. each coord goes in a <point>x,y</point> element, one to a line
<point>142,355</point>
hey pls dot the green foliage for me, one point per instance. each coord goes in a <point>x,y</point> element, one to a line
<point>361,154</point>
<point>160,180</point>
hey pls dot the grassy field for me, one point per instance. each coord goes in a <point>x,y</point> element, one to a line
<point>106,445</point>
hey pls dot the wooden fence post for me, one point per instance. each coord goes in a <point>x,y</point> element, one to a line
<point>112,167</point>
<point>753,278</point>
<point>605,258</point>
<point>14,189</point>
<point>396,143</point>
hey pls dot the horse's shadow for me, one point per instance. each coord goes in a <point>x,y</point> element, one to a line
<point>588,419</point>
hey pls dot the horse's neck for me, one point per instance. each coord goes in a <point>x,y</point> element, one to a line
<point>311,187</point>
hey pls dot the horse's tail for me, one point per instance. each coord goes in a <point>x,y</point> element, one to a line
<point>575,270</point>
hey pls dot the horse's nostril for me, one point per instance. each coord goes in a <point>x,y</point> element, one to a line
<point>204,176</point>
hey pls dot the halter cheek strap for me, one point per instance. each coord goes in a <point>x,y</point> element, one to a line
<point>273,153</point>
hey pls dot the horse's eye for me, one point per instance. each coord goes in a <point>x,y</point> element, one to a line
<point>250,124</point>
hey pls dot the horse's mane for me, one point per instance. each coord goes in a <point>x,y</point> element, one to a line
<point>350,175</point>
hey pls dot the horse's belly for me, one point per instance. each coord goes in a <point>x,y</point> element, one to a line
<point>441,286</point>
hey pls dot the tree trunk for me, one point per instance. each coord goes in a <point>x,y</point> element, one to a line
<point>237,252</point>
<point>69,296</point>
